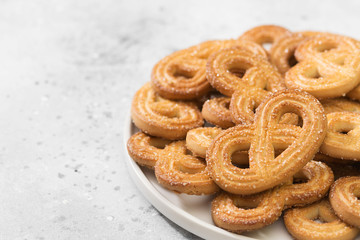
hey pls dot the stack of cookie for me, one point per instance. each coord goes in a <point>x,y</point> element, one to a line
<point>282,130</point>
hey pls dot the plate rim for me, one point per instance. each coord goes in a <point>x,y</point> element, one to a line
<point>166,207</point>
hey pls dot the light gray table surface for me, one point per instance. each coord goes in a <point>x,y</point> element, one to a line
<point>68,72</point>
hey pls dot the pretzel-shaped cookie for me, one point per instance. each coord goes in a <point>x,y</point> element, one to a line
<point>342,107</point>
<point>343,136</point>
<point>344,198</point>
<point>265,34</point>
<point>198,141</point>
<point>244,102</point>
<point>183,173</point>
<point>181,75</point>
<point>329,66</point>
<point>160,117</point>
<point>176,170</point>
<point>146,150</point>
<point>301,224</point>
<point>244,213</point>
<point>282,53</point>
<point>263,137</point>
<point>236,68</point>
<point>216,111</point>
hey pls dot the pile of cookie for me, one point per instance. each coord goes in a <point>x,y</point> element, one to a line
<point>271,132</point>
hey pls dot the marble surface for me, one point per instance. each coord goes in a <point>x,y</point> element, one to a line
<point>68,73</point>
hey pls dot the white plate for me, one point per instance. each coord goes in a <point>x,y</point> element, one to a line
<point>190,212</point>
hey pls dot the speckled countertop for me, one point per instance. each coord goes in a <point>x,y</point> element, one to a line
<point>68,73</point>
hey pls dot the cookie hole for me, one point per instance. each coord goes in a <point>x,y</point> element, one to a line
<point>246,207</point>
<point>291,118</point>
<point>202,160</point>
<point>159,142</point>
<point>292,60</point>
<point>326,47</point>
<point>344,131</point>
<point>188,152</point>
<point>161,106</point>
<point>316,75</point>
<point>254,109</point>
<point>225,104</point>
<point>245,204</point>
<point>266,45</point>
<point>313,74</point>
<point>318,220</point>
<point>278,152</point>
<point>183,74</point>
<point>300,122</point>
<point>340,61</point>
<point>255,106</point>
<point>357,193</point>
<point>300,178</point>
<point>158,98</point>
<point>238,72</point>
<point>278,149</point>
<point>242,166</point>
<point>240,159</point>
<point>171,114</point>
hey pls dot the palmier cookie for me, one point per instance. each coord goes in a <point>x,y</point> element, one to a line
<point>146,150</point>
<point>216,111</point>
<point>263,138</point>
<point>329,66</point>
<point>198,141</point>
<point>344,198</point>
<point>343,136</point>
<point>282,53</point>
<point>301,223</point>
<point>160,117</point>
<point>181,75</point>
<point>235,68</point>
<point>239,213</point>
<point>183,173</point>
<point>264,34</point>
